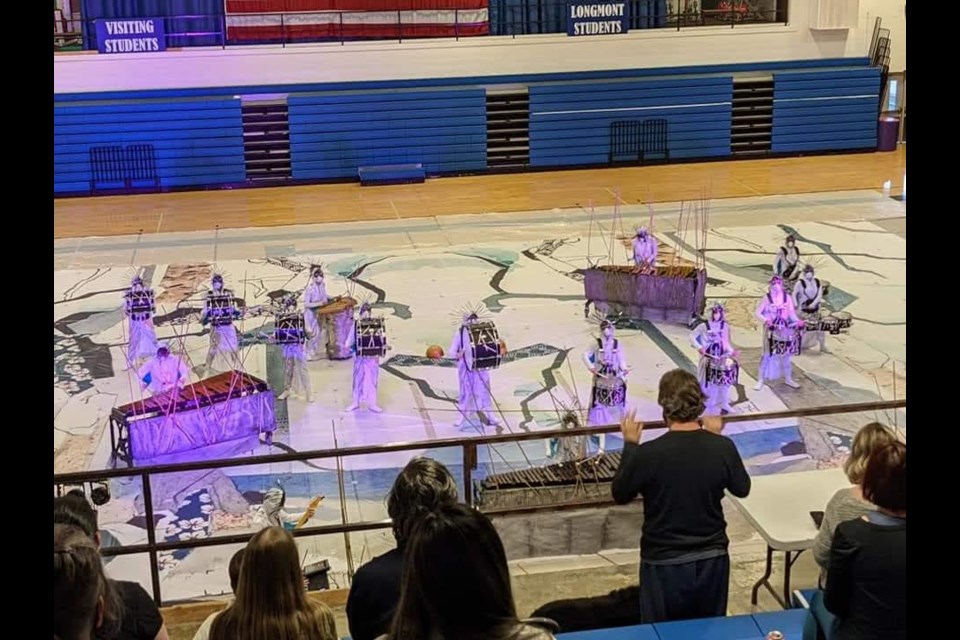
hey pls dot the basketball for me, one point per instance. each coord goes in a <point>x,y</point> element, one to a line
<point>503,348</point>
<point>434,352</point>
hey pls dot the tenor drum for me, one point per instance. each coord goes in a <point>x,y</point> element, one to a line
<point>337,318</point>
<point>482,351</point>
<point>830,325</point>
<point>371,338</point>
<point>811,321</point>
<point>289,329</point>
<point>722,371</point>
<point>609,391</point>
<point>844,319</point>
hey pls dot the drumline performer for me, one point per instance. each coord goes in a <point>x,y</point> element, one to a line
<point>273,514</point>
<point>807,298</point>
<point>644,249</point>
<point>787,260</point>
<point>368,348</point>
<point>314,297</point>
<point>474,384</point>
<point>292,340</point>
<point>608,396</point>
<point>220,311</point>
<point>163,373</point>
<point>139,306</point>
<point>718,368</point>
<point>781,335</point>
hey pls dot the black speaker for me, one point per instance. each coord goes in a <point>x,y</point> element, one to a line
<point>316,573</point>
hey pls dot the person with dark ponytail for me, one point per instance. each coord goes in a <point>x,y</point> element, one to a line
<point>682,476</point>
<point>85,606</point>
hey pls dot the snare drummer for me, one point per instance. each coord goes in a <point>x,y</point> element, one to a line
<point>224,342</point>
<point>163,373</point>
<point>474,385</point>
<point>296,375</point>
<point>807,297</point>
<point>366,372</point>
<point>607,363</point>
<point>787,260</point>
<point>644,250</point>
<point>712,340</point>
<point>780,325</point>
<point>314,297</point>
<point>138,306</point>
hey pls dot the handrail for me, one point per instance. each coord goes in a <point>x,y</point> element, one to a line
<point>469,449</point>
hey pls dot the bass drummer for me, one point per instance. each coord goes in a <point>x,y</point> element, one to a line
<point>807,297</point>
<point>475,398</point>
<point>608,397</point>
<point>718,369</point>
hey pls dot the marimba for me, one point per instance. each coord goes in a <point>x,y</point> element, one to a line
<point>670,293</point>
<point>228,406</point>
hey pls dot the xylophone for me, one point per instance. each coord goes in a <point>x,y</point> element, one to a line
<point>552,484</point>
<point>224,407</point>
<point>671,293</point>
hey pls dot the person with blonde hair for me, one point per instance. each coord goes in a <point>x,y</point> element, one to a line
<point>849,503</point>
<point>271,603</point>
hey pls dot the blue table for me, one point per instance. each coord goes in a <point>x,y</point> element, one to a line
<point>636,632</point>
<point>730,628</point>
<point>789,622</point>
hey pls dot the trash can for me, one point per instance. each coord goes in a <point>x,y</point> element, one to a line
<point>888,132</point>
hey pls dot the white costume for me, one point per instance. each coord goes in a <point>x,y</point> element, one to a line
<point>787,260</point>
<point>272,514</point>
<point>163,373</point>
<point>220,311</point>
<point>296,376</point>
<point>807,297</point>
<point>644,249</point>
<point>138,306</point>
<point>712,340</point>
<point>474,385</point>
<point>779,318</point>
<point>606,361</point>
<point>366,373</point>
<point>314,297</point>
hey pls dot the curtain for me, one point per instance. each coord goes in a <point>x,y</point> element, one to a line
<point>203,31</point>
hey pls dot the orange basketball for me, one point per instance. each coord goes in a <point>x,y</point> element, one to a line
<point>434,352</point>
<point>503,348</point>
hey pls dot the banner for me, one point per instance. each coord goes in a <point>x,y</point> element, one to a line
<point>131,35</point>
<point>586,18</point>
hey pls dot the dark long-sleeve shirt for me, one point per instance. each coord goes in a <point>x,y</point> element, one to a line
<point>682,476</point>
<point>374,595</point>
<point>867,580</point>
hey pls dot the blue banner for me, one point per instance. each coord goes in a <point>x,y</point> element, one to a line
<point>592,18</point>
<point>135,35</point>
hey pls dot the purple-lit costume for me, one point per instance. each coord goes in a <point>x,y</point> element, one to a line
<point>139,307</point>
<point>475,396</point>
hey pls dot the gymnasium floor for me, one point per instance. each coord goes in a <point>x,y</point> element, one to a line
<point>421,251</point>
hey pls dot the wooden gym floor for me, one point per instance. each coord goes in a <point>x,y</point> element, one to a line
<point>275,206</point>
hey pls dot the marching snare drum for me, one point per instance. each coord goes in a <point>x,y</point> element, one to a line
<point>785,340</point>
<point>221,308</point>
<point>722,371</point>
<point>609,390</point>
<point>482,349</point>
<point>141,304</point>
<point>289,329</point>
<point>371,338</point>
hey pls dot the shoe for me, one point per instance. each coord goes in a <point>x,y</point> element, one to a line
<point>268,439</point>
<point>353,407</point>
<point>790,383</point>
<point>375,409</point>
<point>759,386</point>
<point>284,395</point>
<point>727,408</point>
<point>493,422</point>
<point>824,350</point>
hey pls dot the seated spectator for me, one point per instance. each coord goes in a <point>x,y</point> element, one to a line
<point>141,619</point>
<point>456,584</point>
<point>236,562</point>
<point>424,485</point>
<point>849,504</point>
<point>619,608</point>
<point>682,476</point>
<point>866,592</point>
<point>271,603</point>
<point>85,605</point>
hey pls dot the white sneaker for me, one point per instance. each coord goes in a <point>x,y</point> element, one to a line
<point>353,407</point>
<point>759,386</point>
<point>790,383</point>
<point>727,408</point>
<point>376,409</point>
<point>284,395</point>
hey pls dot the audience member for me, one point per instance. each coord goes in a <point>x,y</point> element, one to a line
<point>619,608</point>
<point>682,476</point>
<point>141,619</point>
<point>456,584</point>
<point>866,592</point>
<point>849,503</point>
<point>84,602</point>
<point>271,603</point>
<point>236,562</point>
<point>423,486</point>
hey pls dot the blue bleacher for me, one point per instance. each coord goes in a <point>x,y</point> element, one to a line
<point>746,627</point>
<point>391,174</point>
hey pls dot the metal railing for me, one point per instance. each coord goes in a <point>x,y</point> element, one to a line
<point>218,30</point>
<point>469,450</point>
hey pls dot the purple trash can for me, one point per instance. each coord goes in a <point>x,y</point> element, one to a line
<point>888,131</point>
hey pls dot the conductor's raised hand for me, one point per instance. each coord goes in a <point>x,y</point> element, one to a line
<point>630,427</point>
